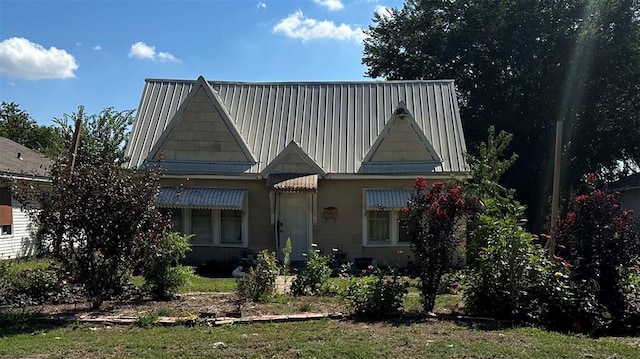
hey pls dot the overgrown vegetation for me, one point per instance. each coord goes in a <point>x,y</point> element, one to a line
<point>258,284</point>
<point>376,293</point>
<point>315,276</point>
<point>98,219</point>
<point>162,272</point>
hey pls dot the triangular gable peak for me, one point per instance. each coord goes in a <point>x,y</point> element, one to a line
<point>202,130</point>
<point>401,146</point>
<point>293,159</point>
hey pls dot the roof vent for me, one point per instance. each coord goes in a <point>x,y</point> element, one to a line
<point>401,112</point>
<point>20,156</point>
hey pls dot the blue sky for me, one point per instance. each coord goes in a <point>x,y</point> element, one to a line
<point>56,55</point>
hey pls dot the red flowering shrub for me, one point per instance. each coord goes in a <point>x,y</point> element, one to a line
<point>432,217</point>
<point>603,241</point>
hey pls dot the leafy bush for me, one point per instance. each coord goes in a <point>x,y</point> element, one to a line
<point>27,286</point>
<point>259,283</point>
<point>431,219</point>
<point>452,282</point>
<point>313,280</point>
<point>505,267</point>
<point>603,242</point>
<point>375,295</point>
<point>162,273</point>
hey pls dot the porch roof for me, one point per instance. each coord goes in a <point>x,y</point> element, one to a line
<point>292,182</point>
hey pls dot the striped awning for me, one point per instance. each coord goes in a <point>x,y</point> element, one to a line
<point>386,199</point>
<point>292,182</point>
<point>201,197</point>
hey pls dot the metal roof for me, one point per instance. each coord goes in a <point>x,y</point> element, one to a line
<point>334,123</point>
<point>292,182</point>
<point>386,199</point>
<point>200,197</point>
<point>16,159</point>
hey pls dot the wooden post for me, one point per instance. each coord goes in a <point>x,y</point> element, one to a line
<point>555,199</point>
<point>75,143</point>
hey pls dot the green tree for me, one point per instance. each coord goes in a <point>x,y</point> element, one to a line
<point>99,220</point>
<point>18,126</point>
<point>522,65</point>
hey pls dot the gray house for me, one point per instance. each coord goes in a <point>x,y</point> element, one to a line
<point>629,188</point>
<point>22,163</point>
<point>248,165</point>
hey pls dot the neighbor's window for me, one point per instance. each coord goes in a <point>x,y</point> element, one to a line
<point>378,229</point>
<point>6,212</point>
<point>230,226</point>
<point>202,224</point>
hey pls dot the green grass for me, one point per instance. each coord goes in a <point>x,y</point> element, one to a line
<point>319,339</point>
<point>199,284</point>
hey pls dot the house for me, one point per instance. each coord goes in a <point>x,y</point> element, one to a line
<point>249,165</point>
<point>22,163</point>
<point>629,188</point>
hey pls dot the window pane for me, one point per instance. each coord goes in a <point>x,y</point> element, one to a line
<point>201,224</point>
<point>378,230</point>
<point>403,237</point>
<point>175,214</point>
<point>231,226</point>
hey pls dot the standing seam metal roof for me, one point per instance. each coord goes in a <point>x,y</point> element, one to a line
<point>335,123</point>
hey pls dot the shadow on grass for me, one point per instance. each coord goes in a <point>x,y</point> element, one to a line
<point>16,321</point>
<point>410,318</point>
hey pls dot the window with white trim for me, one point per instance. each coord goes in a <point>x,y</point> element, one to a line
<point>382,215</point>
<point>383,228</point>
<point>211,227</point>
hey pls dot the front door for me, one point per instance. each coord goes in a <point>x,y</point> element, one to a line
<point>294,222</point>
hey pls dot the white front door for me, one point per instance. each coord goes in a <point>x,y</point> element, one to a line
<point>294,221</point>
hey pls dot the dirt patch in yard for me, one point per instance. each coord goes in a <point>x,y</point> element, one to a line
<point>202,305</point>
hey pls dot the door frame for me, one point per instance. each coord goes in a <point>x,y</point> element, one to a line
<point>280,240</point>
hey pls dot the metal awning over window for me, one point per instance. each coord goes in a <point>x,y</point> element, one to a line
<point>386,199</point>
<point>292,182</point>
<point>200,197</point>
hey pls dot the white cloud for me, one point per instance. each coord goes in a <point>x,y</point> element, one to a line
<point>330,4</point>
<point>22,58</point>
<point>140,50</point>
<point>262,5</point>
<point>383,11</point>
<point>298,27</point>
<point>97,48</point>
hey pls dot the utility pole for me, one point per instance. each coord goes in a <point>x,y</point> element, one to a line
<point>75,143</point>
<point>555,199</point>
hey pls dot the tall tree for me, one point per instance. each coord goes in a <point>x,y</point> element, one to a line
<point>522,65</point>
<point>18,126</point>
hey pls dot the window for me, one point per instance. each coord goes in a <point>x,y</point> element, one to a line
<point>175,214</point>
<point>382,214</point>
<point>230,226</point>
<point>378,230</point>
<point>6,212</point>
<point>202,225</point>
<point>403,237</point>
<point>211,227</point>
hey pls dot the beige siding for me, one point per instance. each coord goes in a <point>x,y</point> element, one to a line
<point>18,243</point>
<point>292,163</point>
<point>202,135</point>
<point>343,232</point>
<point>401,144</point>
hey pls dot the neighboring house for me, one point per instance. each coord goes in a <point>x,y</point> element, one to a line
<point>22,163</point>
<point>629,188</point>
<point>248,165</point>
